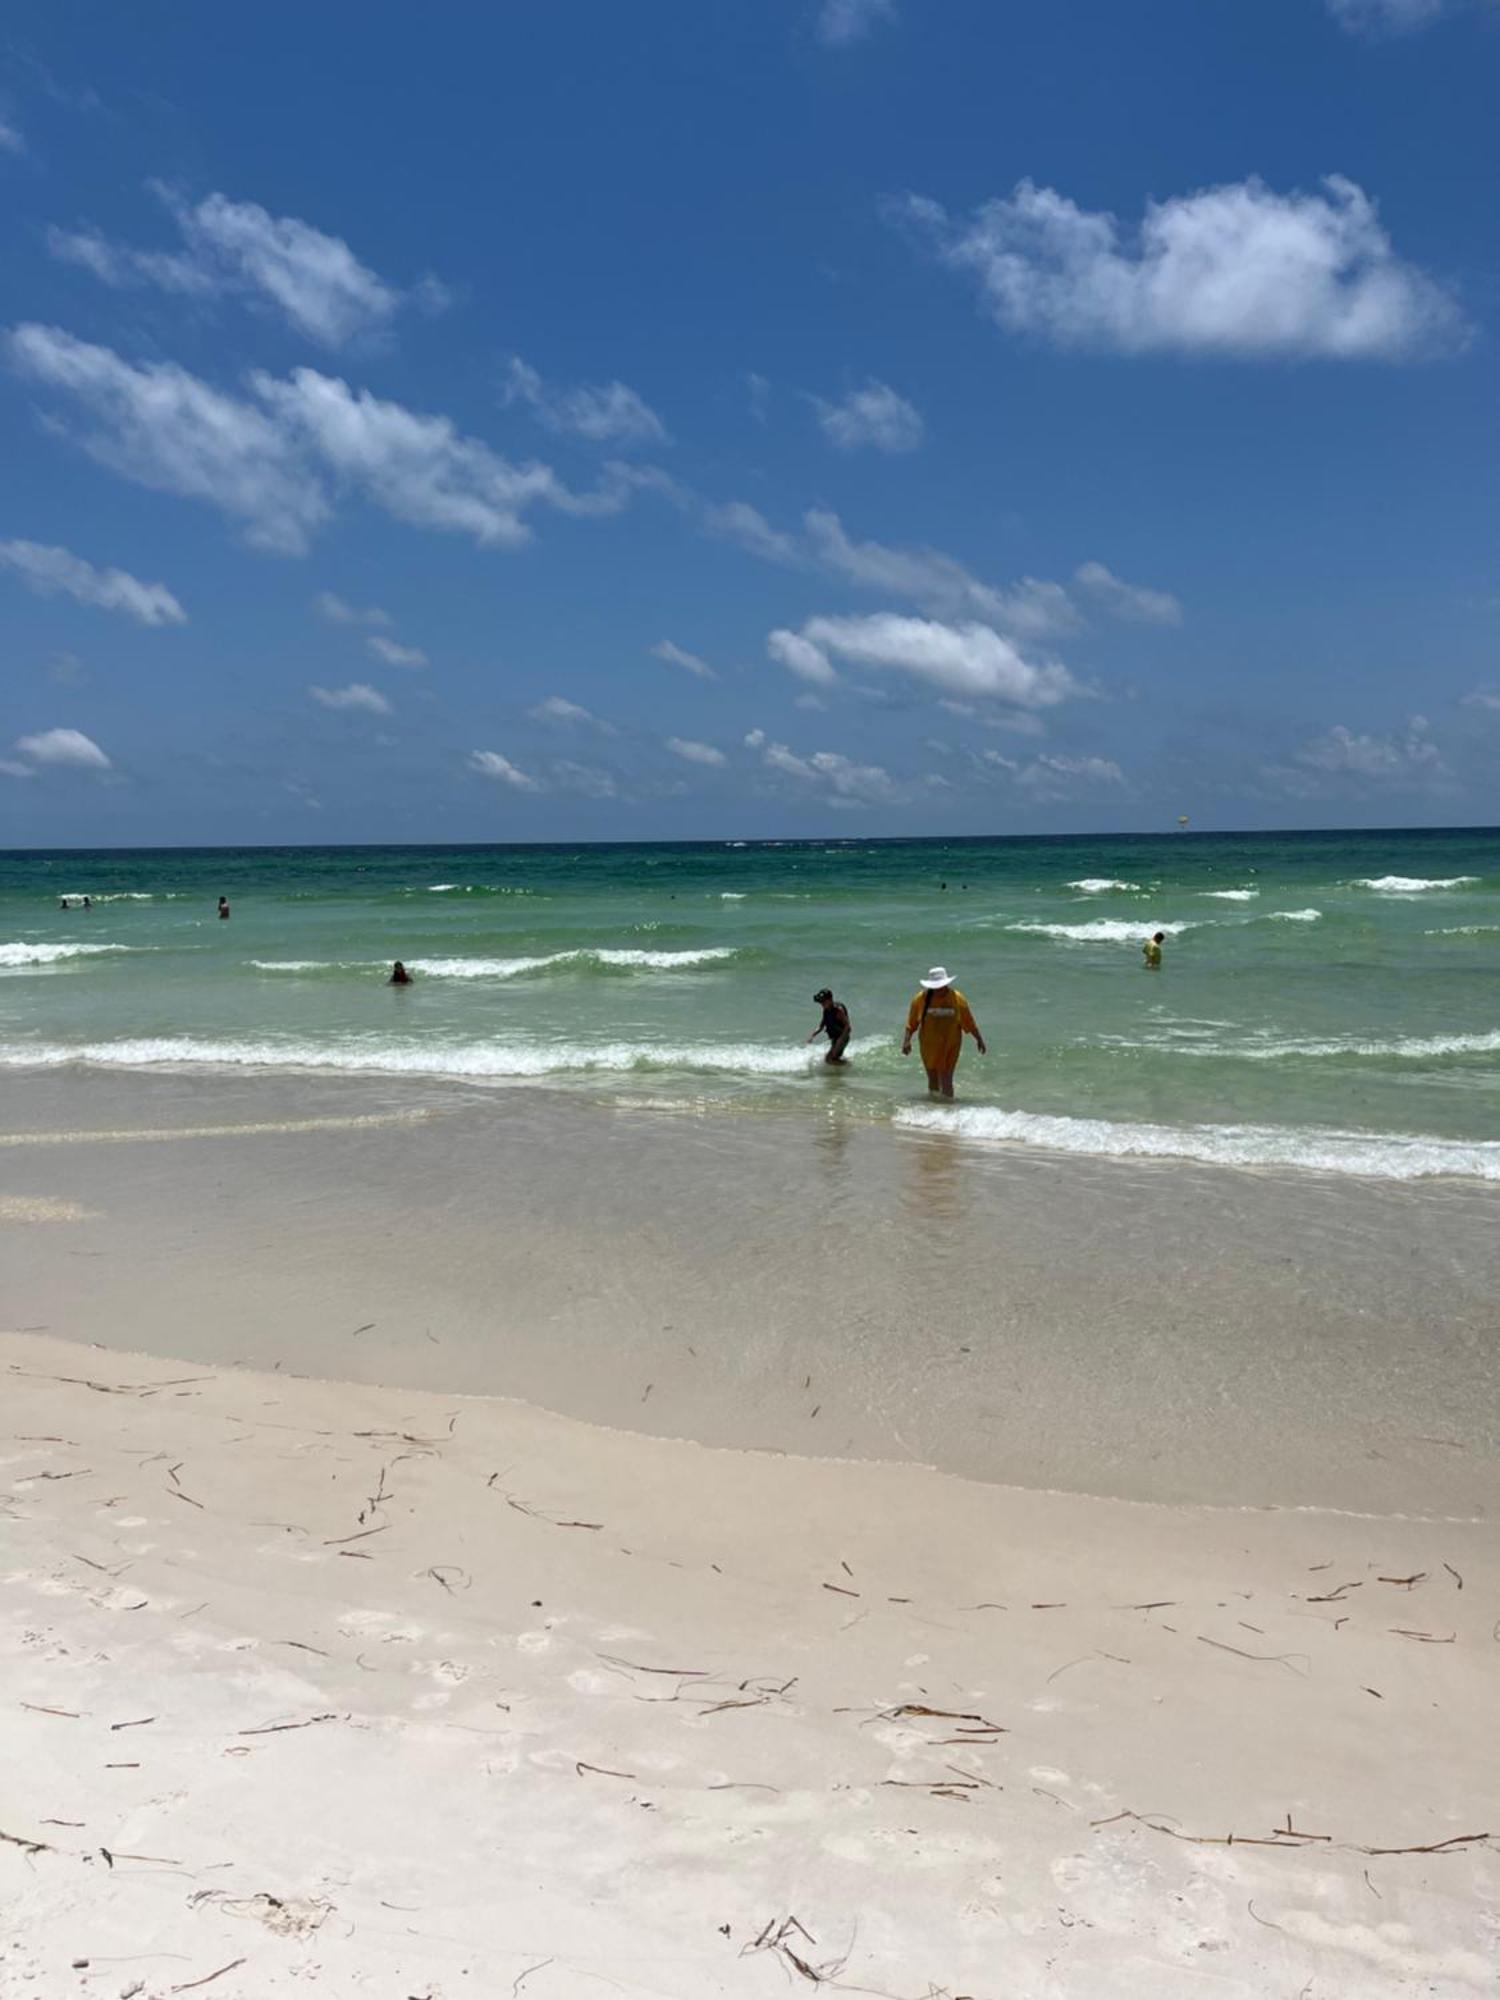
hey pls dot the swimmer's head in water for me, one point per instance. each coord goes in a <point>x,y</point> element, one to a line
<point>1159,938</point>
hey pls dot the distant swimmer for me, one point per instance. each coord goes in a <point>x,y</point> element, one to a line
<point>223,906</point>
<point>1151,950</point>
<point>939,1016</point>
<point>399,975</point>
<point>834,1024</point>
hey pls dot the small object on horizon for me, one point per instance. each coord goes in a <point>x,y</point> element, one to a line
<point>1182,820</point>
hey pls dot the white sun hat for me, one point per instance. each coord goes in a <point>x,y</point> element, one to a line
<point>939,976</point>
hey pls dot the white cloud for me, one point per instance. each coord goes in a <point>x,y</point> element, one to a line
<point>240,249</point>
<point>336,612</point>
<point>356,696</point>
<point>269,463</point>
<point>695,753</point>
<point>665,650</point>
<point>393,654</point>
<point>50,570</point>
<point>1128,601</point>
<point>64,746</point>
<point>1483,697</point>
<point>1235,271</point>
<point>968,660</point>
<point>737,521</point>
<point>874,415</point>
<point>586,779</point>
<point>569,714</point>
<point>1396,17</point>
<point>842,22</point>
<point>9,768</point>
<point>10,142</point>
<point>801,657</point>
<point>604,413</point>
<point>165,429</point>
<point>492,765</point>
<point>755,739</point>
<point>759,391</point>
<point>937,582</point>
<point>846,782</point>
<point>1343,752</point>
<point>1057,778</point>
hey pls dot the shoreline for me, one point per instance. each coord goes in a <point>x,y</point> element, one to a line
<point>699,1710</point>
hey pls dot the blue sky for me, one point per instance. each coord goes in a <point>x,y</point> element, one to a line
<point>767,417</point>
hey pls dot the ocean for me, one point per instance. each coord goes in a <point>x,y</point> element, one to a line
<point>1329,1001</point>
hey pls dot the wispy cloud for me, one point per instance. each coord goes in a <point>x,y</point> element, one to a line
<point>67,747</point>
<point>240,249</point>
<point>10,139</point>
<point>334,611</point>
<point>393,654</point>
<point>969,660</point>
<point>840,23</point>
<point>356,696</point>
<point>585,779</point>
<point>1388,17</point>
<point>1128,601</point>
<point>1344,752</point>
<point>738,522</point>
<point>1054,779</point>
<point>874,416</point>
<point>603,413</point>
<point>1483,697</point>
<point>843,780</point>
<point>52,570</point>
<point>560,712</point>
<point>490,764</point>
<point>1236,271</point>
<point>678,657</point>
<point>695,753</point>
<point>938,582</point>
<point>270,463</point>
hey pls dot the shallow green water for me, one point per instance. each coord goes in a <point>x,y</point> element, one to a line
<point>1328,1000</point>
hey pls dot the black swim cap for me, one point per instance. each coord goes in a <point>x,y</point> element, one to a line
<point>825,993</point>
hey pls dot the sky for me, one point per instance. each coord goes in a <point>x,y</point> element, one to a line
<point>752,418</point>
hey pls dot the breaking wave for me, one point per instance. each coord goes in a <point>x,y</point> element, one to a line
<point>1410,885</point>
<point>20,953</point>
<point>1103,930</point>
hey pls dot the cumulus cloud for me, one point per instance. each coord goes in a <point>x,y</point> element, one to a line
<point>666,650</point>
<point>1057,778</point>
<point>738,522</point>
<point>569,714</point>
<point>163,428</point>
<point>50,570</point>
<point>840,23</point>
<point>845,782</point>
<point>356,696</point>
<point>603,413</point>
<point>490,764</point>
<point>1412,754</point>
<point>271,463</point>
<point>969,660</point>
<point>64,747</point>
<point>240,249</point>
<point>938,582</point>
<point>1127,601</point>
<point>334,611</point>
<point>393,654</point>
<point>695,753</point>
<point>1234,271</point>
<point>875,416</point>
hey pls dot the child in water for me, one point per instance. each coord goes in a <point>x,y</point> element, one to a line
<point>834,1024</point>
<point>1151,950</point>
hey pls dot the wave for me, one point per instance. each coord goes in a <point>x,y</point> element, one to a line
<point>1100,885</point>
<point>1467,930</point>
<point>731,895</point>
<point>1410,885</point>
<point>1293,916</point>
<point>107,896</point>
<point>1233,895</point>
<point>1379,1155</point>
<point>510,968</point>
<point>1103,930</point>
<point>21,953</point>
<point>1407,1048</point>
<point>479,1061</point>
<point>474,889</point>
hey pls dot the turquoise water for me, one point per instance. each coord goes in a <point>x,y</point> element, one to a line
<point>1327,1001</point>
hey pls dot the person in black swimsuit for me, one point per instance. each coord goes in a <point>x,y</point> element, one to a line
<point>834,1024</point>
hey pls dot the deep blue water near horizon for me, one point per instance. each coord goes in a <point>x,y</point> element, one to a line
<point>1329,999</point>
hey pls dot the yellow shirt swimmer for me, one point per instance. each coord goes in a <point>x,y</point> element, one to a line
<point>1151,951</point>
<point>940,1018</point>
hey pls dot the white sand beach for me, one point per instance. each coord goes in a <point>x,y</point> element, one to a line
<point>321,1687</point>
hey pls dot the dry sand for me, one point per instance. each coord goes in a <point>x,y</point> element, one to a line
<point>312,1688</point>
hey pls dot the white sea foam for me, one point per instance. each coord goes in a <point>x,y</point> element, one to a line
<point>1102,930</point>
<point>1466,930</point>
<point>21,953</point>
<point>731,895</point>
<point>1410,885</point>
<point>1100,885</point>
<point>509,968</point>
<point>441,888</point>
<point>1293,916</point>
<point>107,896</point>
<point>1401,1048</point>
<point>1381,1155</point>
<point>476,1060</point>
<point>1233,895</point>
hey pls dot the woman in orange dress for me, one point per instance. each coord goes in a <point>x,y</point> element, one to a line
<point>939,1017</point>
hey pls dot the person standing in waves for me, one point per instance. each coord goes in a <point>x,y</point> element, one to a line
<point>939,1017</point>
<point>834,1024</point>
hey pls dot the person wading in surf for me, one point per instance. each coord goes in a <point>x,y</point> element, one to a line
<point>834,1024</point>
<point>939,1016</point>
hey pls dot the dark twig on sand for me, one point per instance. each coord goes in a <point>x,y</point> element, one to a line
<point>191,1984</point>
